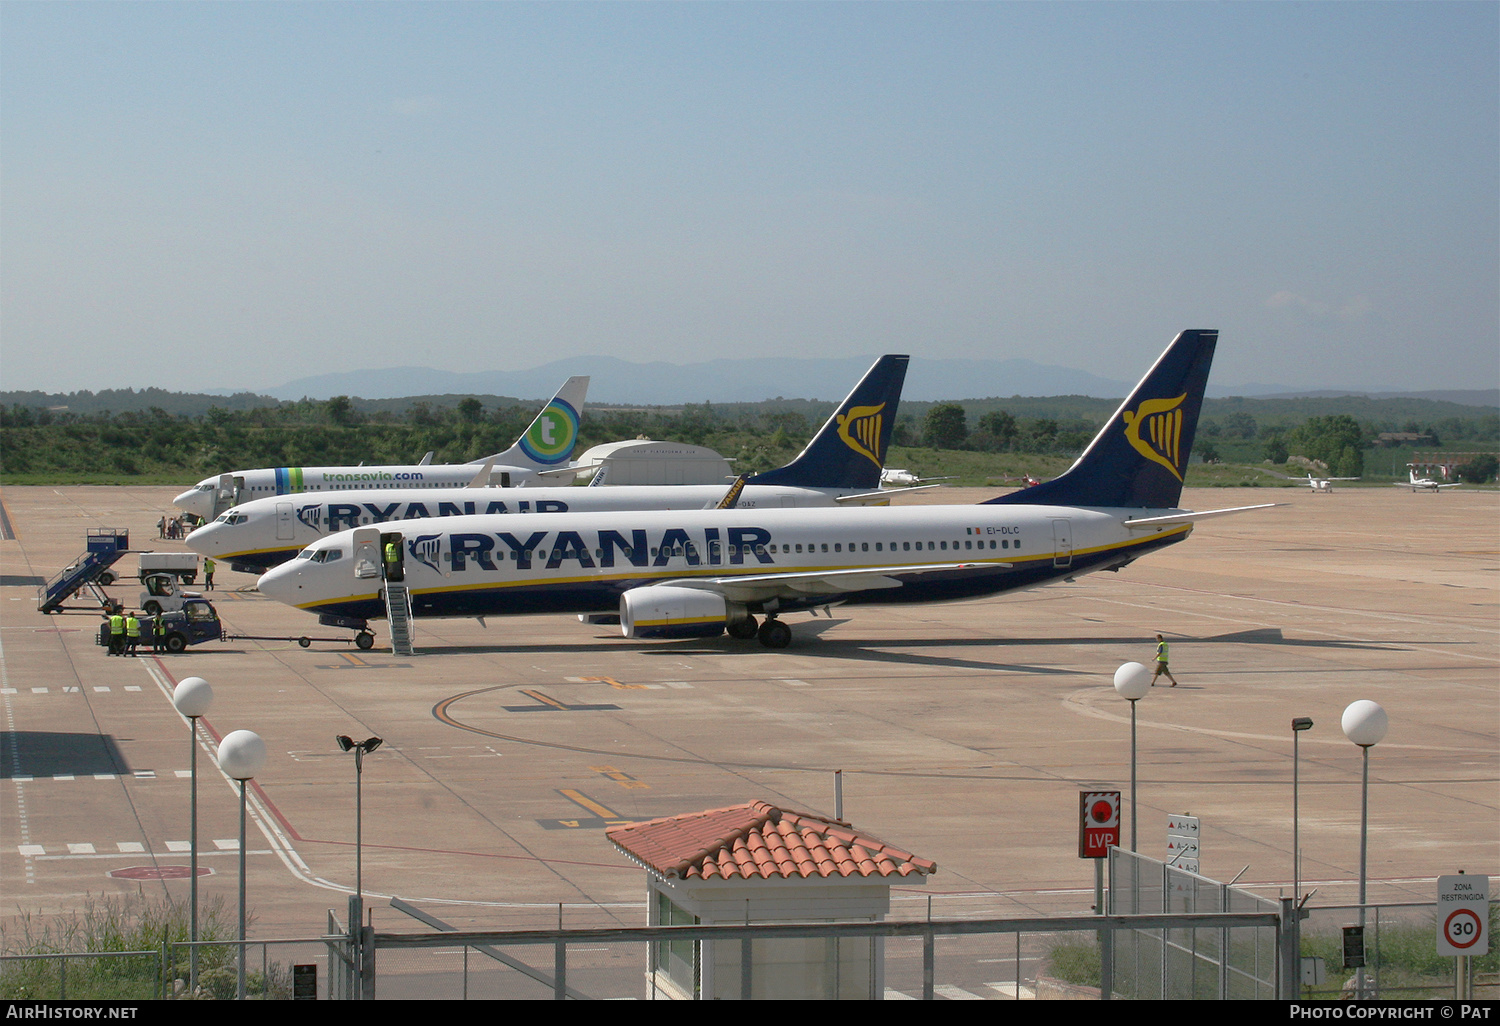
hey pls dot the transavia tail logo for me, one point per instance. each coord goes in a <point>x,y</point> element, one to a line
<point>551,436</point>
<point>860,430</point>
<point>1160,421</point>
<point>288,480</point>
<point>309,514</point>
<point>424,549</point>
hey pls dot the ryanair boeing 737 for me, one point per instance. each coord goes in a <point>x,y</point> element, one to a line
<point>542,452</point>
<point>840,466</point>
<point>698,573</point>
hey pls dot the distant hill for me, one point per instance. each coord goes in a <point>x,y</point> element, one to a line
<point>752,381</point>
<point>716,381</point>
<point>980,384</point>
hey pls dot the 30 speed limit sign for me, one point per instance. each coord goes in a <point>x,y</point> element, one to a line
<point>1463,913</point>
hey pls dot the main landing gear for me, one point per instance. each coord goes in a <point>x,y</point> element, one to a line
<point>772,634</point>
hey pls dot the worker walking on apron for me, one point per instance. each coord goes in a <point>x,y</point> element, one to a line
<point>1161,662</point>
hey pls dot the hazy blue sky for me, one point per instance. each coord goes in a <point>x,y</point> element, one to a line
<point>205,195</point>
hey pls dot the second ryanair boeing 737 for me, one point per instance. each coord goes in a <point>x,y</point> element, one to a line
<point>840,466</point>
<point>699,573</point>
<point>542,452</point>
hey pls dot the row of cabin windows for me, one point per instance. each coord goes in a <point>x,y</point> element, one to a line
<point>363,487</point>
<point>715,549</point>
<point>1004,543</point>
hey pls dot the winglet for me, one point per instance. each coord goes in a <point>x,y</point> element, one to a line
<point>849,450</point>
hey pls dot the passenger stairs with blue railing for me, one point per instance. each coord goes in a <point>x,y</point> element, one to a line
<point>89,571</point>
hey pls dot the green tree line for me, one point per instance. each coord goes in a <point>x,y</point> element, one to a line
<point>41,444</point>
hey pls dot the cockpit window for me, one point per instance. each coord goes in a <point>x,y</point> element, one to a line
<point>306,554</point>
<point>327,555</point>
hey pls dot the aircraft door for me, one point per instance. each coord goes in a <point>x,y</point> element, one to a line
<point>1062,543</point>
<point>367,552</point>
<point>227,493</point>
<point>286,523</point>
<point>393,554</point>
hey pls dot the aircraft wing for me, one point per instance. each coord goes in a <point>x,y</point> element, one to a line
<point>759,587</point>
<point>560,471</point>
<point>882,496</point>
<point>1189,517</point>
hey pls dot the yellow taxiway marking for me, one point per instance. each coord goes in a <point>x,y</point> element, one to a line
<point>579,798</point>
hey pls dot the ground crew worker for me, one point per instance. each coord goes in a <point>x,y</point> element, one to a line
<point>1161,662</point>
<point>132,632</point>
<point>392,561</point>
<point>116,633</point>
<point>208,573</point>
<point>158,632</point>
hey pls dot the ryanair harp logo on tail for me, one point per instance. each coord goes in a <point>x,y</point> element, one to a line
<point>860,430</point>
<point>1160,421</point>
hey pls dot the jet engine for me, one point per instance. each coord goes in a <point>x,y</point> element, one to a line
<point>668,611</point>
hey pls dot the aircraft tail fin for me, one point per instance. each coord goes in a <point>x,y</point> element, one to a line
<point>552,436</point>
<point>1139,457</point>
<point>849,450</point>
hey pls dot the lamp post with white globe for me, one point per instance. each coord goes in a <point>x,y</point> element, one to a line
<point>1365,723</point>
<point>1133,682</point>
<point>192,697</point>
<point>242,754</point>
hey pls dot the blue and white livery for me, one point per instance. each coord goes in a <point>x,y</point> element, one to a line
<point>697,574</point>
<point>541,454</point>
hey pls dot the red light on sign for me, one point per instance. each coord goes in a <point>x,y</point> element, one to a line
<point>1098,823</point>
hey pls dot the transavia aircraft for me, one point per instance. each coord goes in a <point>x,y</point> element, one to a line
<point>541,453</point>
<point>841,465</point>
<point>696,574</point>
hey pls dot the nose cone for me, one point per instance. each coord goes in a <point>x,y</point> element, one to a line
<point>197,502</point>
<point>281,583</point>
<point>207,540</point>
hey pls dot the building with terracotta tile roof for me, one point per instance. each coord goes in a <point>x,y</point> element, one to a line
<point>757,862</point>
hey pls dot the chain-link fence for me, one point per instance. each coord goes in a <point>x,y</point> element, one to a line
<point>1400,951</point>
<point>271,972</point>
<point>1187,963</point>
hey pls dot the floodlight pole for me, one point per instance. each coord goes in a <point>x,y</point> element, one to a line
<point>1299,724</point>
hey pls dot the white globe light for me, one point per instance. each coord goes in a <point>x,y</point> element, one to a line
<point>242,754</point>
<point>1132,681</point>
<point>193,696</point>
<point>1365,723</point>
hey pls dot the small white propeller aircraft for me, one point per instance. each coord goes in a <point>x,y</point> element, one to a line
<point>1423,484</point>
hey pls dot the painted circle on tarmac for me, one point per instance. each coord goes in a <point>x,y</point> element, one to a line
<point>158,873</point>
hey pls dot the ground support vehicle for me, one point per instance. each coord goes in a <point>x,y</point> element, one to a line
<point>90,572</point>
<point>182,565</point>
<point>162,594</point>
<point>196,622</point>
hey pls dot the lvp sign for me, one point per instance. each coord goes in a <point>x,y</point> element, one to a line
<point>1098,823</point>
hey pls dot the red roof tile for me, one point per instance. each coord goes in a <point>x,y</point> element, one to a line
<point>759,840</point>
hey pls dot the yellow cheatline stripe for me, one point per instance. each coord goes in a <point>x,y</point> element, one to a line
<point>578,797</point>
<point>679,621</point>
<point>743,571</point>
<point>289,547</point>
